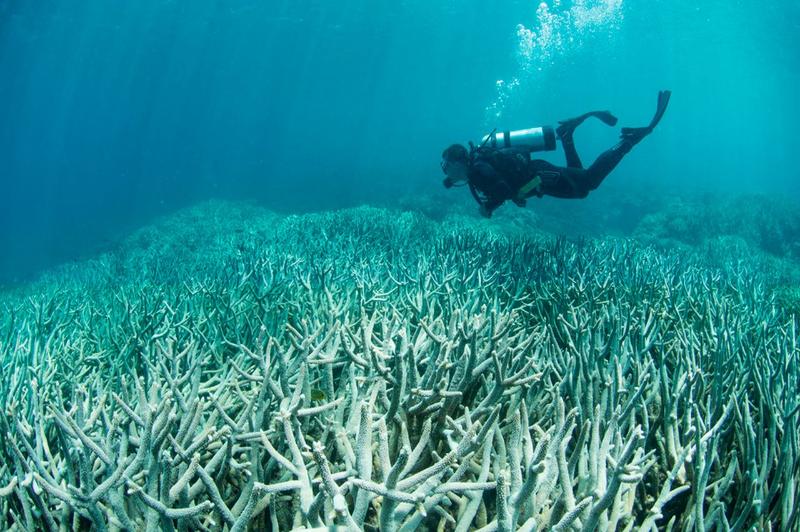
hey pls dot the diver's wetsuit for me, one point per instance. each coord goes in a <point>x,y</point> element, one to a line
<point>497,175</point>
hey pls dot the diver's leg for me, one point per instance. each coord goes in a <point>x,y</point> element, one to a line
<point>631,136</point>
<point>576,183</point>
<point>560,181</point>
<point>604,164</point>
<point>567,127</point>
<point>568,143</point>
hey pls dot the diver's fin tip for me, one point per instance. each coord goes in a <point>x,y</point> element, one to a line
<point>663,101</point>
<point>607,118</point>
<point>632,135</point>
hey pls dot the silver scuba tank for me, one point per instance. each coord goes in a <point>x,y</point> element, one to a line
<point>535,139</point>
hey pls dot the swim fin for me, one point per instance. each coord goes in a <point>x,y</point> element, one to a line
<point>606,117</point>
<point>661,107</point>
<point>635,134</point>
<point>566,127</point>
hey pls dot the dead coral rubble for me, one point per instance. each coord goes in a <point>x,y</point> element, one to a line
<point>457,382</point>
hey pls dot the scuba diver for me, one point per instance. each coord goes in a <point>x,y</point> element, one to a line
<point>501,168</point>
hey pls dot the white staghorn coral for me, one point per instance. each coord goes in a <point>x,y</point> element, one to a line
<point>370,378</point>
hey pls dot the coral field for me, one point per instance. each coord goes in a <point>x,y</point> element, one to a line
<point>231,369</point>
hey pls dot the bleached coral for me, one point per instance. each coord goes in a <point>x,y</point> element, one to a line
<point>364,370</point>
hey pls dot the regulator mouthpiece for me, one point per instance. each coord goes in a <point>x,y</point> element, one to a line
<point>535,139</point>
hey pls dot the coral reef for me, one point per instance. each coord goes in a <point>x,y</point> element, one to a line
<point>768,224</point>
<point>367,369</point>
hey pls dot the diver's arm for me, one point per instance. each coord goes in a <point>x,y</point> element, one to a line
<point>489,206</point>
<point>495,189</point>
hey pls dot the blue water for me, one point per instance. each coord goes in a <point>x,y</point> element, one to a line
<point>113,112</point>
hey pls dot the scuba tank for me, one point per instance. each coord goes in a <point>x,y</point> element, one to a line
<point>533,139</point>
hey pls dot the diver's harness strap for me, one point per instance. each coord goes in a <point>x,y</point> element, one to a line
<point>534,185</point>
<point>472,188</point>
<point>476,195</point>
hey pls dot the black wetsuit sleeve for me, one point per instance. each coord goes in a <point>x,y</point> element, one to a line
<point>494,188</point>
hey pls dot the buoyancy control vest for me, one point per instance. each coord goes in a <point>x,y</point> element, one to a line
<point>513,164</point>
<point>509,154</point>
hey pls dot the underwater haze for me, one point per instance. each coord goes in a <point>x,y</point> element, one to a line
<point>237,291</point>
<point>113,112</point>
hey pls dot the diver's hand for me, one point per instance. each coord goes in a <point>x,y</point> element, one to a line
<point>485,212</point>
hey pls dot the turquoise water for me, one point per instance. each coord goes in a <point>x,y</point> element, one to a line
<point>234,294</point>
<point>114,112</point>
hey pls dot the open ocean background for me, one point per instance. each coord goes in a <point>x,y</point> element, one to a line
<point>113,113</point>
<point>234,294</point>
